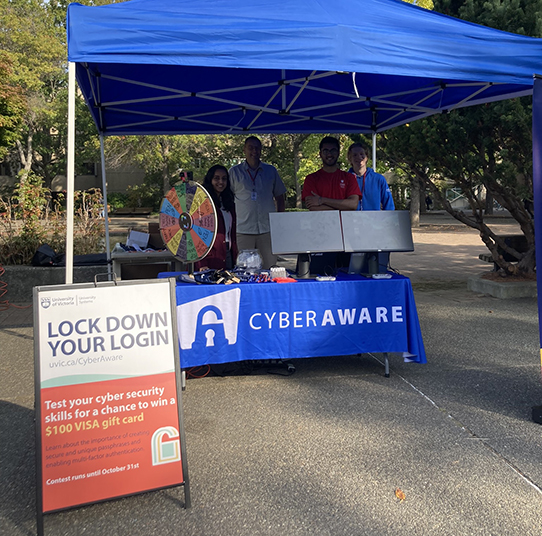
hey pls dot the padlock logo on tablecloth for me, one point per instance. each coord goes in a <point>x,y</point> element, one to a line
<point>210,321</point>
<point>210,328</point>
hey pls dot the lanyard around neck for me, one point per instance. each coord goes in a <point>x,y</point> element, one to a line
<point>255,175</point>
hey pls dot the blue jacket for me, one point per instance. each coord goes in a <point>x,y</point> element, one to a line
<point>376,194</point>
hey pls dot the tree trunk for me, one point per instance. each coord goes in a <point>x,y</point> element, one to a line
<point>26,155</point>
<point>423,195</point>
<point>297,151</point>
<point>414,202</point>
<point>489,203</point>
<point>298,203</point>
<point>164,145</point>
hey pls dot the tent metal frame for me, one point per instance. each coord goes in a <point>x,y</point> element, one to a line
<point>276,104</point>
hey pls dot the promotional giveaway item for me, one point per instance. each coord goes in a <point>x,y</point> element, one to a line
<point>108,404</point>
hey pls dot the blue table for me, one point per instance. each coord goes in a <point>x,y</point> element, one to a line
<point>247,321</point>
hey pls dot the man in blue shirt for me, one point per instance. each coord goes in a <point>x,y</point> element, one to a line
<point>375,192</point>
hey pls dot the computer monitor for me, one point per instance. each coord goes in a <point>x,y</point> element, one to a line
<point>305,233</point>
<point>377,230</point>
<point>371,235</point>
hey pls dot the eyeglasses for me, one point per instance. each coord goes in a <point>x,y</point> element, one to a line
<point>330,151</point>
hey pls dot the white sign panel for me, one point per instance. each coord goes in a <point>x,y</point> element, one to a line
<point>92,334</point>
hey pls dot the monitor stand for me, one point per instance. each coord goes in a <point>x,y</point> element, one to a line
<point>372,264</point>
<point>364,264</point>
<point>304,266</point>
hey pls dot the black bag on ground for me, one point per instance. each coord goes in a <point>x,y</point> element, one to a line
<point>45,256</point>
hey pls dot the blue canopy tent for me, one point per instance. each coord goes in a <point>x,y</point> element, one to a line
<point>208,66</point>
<point>225,66</point>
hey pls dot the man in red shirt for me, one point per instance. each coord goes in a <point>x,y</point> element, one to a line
<point>330,188</point>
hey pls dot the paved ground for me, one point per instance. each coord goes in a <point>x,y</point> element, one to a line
<point>323,451</point>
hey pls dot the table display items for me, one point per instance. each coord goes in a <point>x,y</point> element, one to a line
<point>249,260</point>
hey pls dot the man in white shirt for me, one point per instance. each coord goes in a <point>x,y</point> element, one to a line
<point>257,187</point>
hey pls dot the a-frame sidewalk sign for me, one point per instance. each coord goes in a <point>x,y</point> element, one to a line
<point>109,419</point>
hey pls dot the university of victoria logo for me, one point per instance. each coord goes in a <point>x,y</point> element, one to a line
<point>211,321</point>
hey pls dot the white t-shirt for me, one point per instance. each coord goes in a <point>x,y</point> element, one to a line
<point>228,220</point>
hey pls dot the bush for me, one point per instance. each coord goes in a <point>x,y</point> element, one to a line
<point>31,218</point>
<point>117,200</point>
<point>144,195</point>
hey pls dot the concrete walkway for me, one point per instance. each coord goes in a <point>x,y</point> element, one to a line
<point>322,452</point>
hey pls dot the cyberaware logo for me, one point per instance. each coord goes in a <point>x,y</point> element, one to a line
<point>209,321</point>
<point>165,446</point>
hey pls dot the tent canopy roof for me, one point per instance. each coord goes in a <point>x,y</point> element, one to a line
<point>224,66</point>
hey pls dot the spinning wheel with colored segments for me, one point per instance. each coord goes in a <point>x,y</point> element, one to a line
<point>188,221</point>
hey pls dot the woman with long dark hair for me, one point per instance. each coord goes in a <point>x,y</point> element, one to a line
<point>224,251</point>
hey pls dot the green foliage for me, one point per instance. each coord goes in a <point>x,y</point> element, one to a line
<point>117,200</point>
<point>89,223</point>
<point>30,218</point>
<point>12,105</point>
<point>289,153</point>
<point>144,195</point>
<point>34,44</point>
<point>523,17</point>
<point>294,155</point>
<point>426,4</point>
<point>21,216</point>
<point>31,201</point>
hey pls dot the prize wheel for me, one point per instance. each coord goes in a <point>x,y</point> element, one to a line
<point>188,221</point>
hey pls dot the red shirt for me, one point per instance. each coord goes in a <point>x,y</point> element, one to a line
<point>336,185</point>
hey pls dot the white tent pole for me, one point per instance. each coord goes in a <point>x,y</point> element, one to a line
<point>106,211</point>
<point>374,151</point>
<point>70,174</point>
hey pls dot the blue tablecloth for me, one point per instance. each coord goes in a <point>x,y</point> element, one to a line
<point>225,323</point>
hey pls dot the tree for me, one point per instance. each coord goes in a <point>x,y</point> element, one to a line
<point>12,106</point>
<point>487,147</point>
<point>426,4</point>
<point>34,41</point>
<point>286,153</point>
<point>294,156</point>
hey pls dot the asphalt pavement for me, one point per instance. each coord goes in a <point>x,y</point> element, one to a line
<point>325,450</point>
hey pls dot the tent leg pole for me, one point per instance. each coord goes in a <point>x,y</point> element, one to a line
<point>106,209</point>
<point>374,151</point>
<point>537,196</point>
<point>70,174</point>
